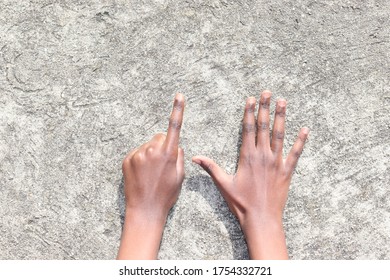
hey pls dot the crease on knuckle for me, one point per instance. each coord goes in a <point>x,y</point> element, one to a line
<point>279,135</point>
<point>262,126</point>
<point>250,109</point>
<point>297,154</point>
<point>281,112</point>
<point>264,103</point>
<point>248,128</point>
<point>174,124</point>
<point>209,168</point>
<point>178,107</point>
<point>302,138</point>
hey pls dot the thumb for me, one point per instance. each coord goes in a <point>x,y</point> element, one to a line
<point>219,176</point>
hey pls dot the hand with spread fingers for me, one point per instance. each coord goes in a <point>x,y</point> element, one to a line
<point>153,176</point>
<point>257,193</point>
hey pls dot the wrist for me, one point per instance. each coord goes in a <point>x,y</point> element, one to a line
<point>265,222</point>
<point>141,235</point>
<point>145,217</point>
<point>265,237</point>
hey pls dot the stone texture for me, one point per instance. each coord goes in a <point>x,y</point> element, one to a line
<point>84,82</point>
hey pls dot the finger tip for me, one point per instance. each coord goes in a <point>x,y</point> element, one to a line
<point>251,102</point>
<point>179,97</point>
<point>305,130</point>
<point>282,102</point>
<point>179,102</point>
<point>266,93</point>
<point>251,99</point>
<point>196,160</point>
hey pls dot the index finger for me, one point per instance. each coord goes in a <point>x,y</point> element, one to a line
<point>175,121</point>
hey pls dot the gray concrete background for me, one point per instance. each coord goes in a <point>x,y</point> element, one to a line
<point>84,82</point>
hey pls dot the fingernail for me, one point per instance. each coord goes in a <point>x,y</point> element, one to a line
<point>282,102</point>
<point>179,97</point>
<point>251,103</point>
<point>266,94</point>
<point>178,103</point>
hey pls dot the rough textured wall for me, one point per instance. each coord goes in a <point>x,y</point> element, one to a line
<point>81,84</point>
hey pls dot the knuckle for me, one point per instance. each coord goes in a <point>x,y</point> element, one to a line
<point>137,158</point>
<point>262,126</point>
<point>281,112</point>
<point>246,158</point>
<point>160,137</point>
<point>248,128</point>
<point>302,138</point>
<point>279,135</point>
<point>209,167</point>
<point>266,159</point>
<point>250,109</point>
<point>149,150</point>
<point>175,124</point>
<point>297,154</point>
<point>264,103</point>
<point>126,163</point>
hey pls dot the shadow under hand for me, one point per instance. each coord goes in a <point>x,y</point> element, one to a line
<point>238,148</point>
<point>205,187</point>
<point>121,201</point>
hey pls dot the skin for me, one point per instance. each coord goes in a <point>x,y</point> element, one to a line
<point>257,193</point>
<point>153,175</point>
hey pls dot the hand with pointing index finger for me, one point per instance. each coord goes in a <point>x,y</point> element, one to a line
<point>153,175</point>
<point>257,193</point>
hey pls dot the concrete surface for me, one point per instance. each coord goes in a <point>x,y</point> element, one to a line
<point>81,84</point>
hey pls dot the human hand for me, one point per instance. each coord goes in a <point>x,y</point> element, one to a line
<point>257,193</point>
<point>154,172</point>
<point>153,176</point>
